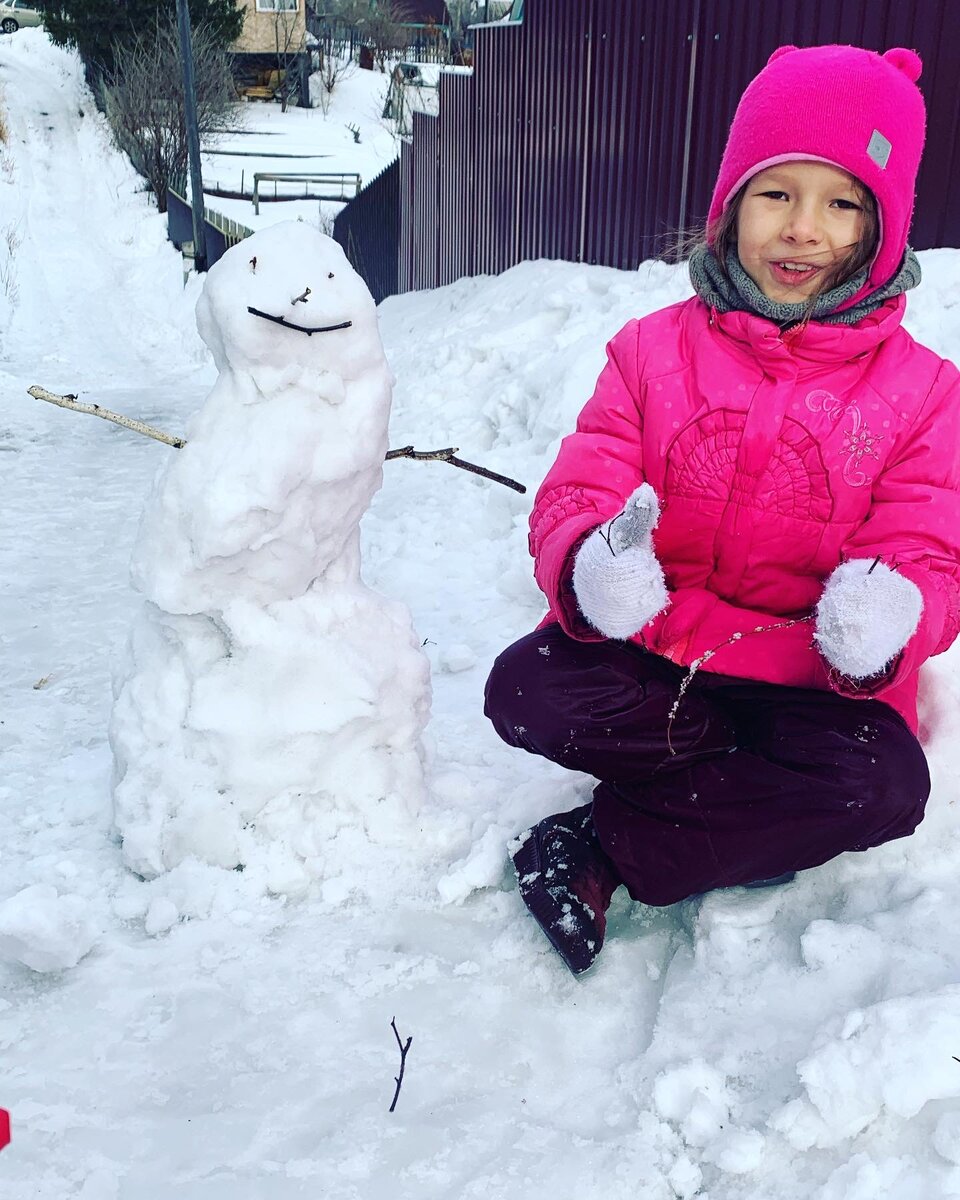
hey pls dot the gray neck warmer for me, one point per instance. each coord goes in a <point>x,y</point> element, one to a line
<point>736,291</point>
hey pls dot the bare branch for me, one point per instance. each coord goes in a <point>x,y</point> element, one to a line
<point>144,103</point>
<point>307,329</point>
<point>404,1047</point>
<point>95,410</point>
<point>449,456</point>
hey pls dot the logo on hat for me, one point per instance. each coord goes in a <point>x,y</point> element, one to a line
<point>878,148</point>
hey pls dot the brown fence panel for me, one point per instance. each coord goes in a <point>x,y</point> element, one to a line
<point>406,235</point>
<point>499,128</point>
<point>457,144</point>
<point>550,178</point>
<point>634,163</point>
<point>368,233</point>
<point>933,28</point>
<point>424,211</point>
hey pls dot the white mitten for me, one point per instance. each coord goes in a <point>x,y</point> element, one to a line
<point>616,577</point>
<point>865,617</point>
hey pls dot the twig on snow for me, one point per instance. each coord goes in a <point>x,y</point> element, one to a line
<point>404,1047</point>
<point>449,456</point>
<point>95,410</point>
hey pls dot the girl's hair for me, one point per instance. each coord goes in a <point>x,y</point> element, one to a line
<point>722,235</point>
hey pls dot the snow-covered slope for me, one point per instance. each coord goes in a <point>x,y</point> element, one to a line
<point>216,1042</point>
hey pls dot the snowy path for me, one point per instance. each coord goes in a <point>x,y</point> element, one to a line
<point>748,1046</point>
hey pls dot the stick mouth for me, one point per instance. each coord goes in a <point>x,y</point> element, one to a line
<point>308,330</point>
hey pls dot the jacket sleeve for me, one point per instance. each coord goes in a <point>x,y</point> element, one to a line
<point>598,466</point>
<point>914,523</point>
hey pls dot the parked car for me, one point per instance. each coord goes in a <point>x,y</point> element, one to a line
<point>15,14</point>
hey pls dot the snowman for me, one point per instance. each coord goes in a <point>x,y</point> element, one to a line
<point>271,713</point>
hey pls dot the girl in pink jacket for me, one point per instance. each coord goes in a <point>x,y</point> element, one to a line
<point>751,542</point>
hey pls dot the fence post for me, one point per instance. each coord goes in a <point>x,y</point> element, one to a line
<point>688,125</point>
<point>193,136</point>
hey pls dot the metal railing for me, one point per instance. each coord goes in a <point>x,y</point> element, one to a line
<point>222,232</point>
<point>346,183</point>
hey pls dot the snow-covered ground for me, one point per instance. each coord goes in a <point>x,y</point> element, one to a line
<point>320,140</point>
<point>216,1040</point>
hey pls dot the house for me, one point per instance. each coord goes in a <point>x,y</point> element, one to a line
<point>268,24</point>
<point>273,40</point>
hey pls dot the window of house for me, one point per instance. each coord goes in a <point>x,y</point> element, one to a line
<point>277,5</point>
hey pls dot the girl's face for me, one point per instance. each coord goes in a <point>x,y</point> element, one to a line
<point>796,221</point>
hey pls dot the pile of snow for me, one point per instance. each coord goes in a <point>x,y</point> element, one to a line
<point>45,931</point>
<point>90,266</point>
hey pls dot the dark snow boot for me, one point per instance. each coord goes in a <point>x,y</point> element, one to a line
<point>567,881</point>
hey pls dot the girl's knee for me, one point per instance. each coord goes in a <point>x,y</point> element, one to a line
<point>892,790</point>
<point>510,696</point>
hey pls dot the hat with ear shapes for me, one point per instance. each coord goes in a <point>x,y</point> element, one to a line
<point>842,105</point>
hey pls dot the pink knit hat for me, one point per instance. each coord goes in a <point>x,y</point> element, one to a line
<point>854,108</point>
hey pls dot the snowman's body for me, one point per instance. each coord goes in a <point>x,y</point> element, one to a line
<point>274,703</point>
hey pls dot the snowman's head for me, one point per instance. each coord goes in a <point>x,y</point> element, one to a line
<point>288,299</point>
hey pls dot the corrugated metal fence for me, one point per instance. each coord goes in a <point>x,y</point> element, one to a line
<point>592,131</point>
<point>367,230</point>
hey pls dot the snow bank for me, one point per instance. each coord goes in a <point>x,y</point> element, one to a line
<point>94,283</point>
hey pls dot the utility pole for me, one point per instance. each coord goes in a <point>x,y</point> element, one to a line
<point>193,137</point>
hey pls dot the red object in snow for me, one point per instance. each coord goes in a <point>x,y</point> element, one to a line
<point>4,1128</point>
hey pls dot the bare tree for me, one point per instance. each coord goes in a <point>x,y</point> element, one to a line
<point>386,30</point>
<point>383,26</point>
<point>145,105</point>
<point>334,68</point>
<point>288,32</point>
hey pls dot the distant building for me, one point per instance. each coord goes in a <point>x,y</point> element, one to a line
<point>266,22</point>
<point>273,42</point>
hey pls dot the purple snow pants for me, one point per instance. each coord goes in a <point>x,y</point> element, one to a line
<point>755,780</point>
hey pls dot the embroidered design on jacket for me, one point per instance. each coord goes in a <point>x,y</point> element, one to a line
<point>859,442</point>
<point>702,465</point>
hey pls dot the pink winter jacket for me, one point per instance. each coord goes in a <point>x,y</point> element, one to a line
<point>775,457</point>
